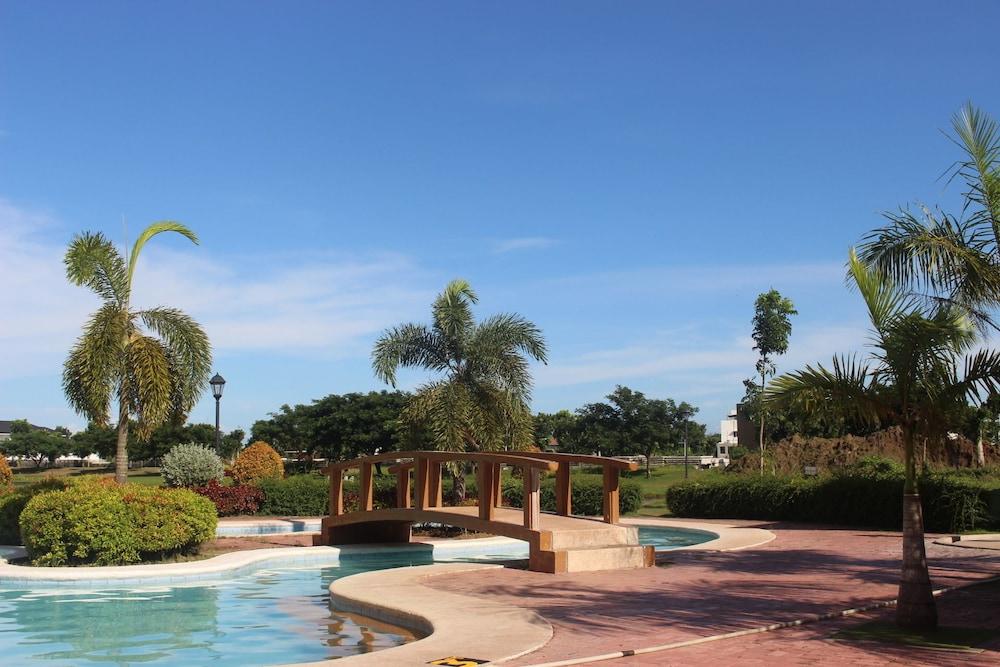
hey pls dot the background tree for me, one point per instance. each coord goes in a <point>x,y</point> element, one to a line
<point>480,400</point>
<point>912,379</point>
<point>39,445</point>
<point>555,430</point>
<point>153,362</point>
<point>771,328</point>
<point>941,257</point>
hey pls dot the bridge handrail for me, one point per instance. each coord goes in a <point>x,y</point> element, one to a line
<point>428,464</point>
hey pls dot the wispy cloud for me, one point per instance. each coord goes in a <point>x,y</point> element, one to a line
<point>328,305</point>
<point>523,243</point>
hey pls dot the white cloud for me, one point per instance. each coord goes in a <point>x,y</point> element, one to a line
<point>327,305</point>
<point>523,243</point>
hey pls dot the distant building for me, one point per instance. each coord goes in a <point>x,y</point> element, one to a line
<point>737,431</point>
<point>6,425</point>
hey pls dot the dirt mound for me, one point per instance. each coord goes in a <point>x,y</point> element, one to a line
<point>792,454</point>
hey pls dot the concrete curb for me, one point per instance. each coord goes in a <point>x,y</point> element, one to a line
<point>456,625</point>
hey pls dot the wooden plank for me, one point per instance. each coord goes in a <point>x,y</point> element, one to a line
<point>403,487</point>
<point>611,485</point>
<point>337,493</point>
<point>564,493</point>
<point>532,500</point>
<point>497,486</point>
<point>422,490</point>
<point>365,493</point>
<point>487,496</point>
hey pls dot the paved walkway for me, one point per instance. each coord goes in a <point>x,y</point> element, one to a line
<point>806,570</point>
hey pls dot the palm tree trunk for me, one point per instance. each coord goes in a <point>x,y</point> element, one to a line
<point>458,484</point>
<point>980,454</point>
<point>121,450</point>
<point>761,404</point>
<point>915,609</point>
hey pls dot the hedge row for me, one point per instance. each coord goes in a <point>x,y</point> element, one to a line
<point>111,524</point>
<point>868,494</point>
<point>587,495</point>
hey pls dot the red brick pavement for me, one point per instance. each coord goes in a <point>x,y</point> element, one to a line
<point>807,570</point>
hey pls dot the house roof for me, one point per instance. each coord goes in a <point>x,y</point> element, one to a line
<point>5,425</point>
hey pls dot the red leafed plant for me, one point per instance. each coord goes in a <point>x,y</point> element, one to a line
<point>232,500</point>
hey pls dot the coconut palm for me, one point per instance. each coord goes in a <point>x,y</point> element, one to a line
<point>480,401</point>
<point>153,362</point>
<point>914,378</point>
<point>941,257</point>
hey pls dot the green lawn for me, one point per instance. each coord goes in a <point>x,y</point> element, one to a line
<point>145,476</point>
<point>654,487</point>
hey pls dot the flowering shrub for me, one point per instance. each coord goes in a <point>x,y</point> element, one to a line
<point>6,476</point>
<point>257,462</point>
<point>232,500</point>
<point>191,465</point>
<point>104,523</point>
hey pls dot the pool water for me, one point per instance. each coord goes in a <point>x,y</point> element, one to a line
<point>271,616</point>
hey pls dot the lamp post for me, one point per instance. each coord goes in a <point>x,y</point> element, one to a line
<point>217,382</point>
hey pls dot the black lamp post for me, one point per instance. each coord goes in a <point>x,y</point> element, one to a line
<point>217,382</point>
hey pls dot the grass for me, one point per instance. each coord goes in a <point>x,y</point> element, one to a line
<point>144,476</point>
<point>654,488</point>
<point>944,638</point>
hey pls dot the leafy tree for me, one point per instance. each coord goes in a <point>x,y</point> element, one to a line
<point>771,328</point>
<point>102,440</point>
<point>480,399</point>
<point>940,257</point>
<point>914,378</point>
<point>555,429</point>
<point>153,362</point>
<point>38,444</point>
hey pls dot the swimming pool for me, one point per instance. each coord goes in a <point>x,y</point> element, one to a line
<point>270,616</point>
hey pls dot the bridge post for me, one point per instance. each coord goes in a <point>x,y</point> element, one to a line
<point>403,487</point>
<point>611,485</point>
<point>532,499</point>
<point>487,496</point>
<point>422,494</point>
<point>497,485</point>
<point>564,496</point>
<point>434,484</point>
<point>365,497</point>
<point>336,492</point>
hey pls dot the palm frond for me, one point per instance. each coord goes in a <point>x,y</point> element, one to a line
<point>408,345</point>
<point>849,390</point>
<point>452,312</point>
<point>189,352</point>
<point>978,135</point>
<point>151,231</point>
<point>93,367</point>
<point>93,261</point>
<point>884,301</point>
<point>147,387</point>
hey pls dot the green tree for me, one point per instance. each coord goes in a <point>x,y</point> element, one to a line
<point>480,400</point>
<point>153,363</point>
<point>941,257</point>
<point>914,379</point>
<point>39,445</point>
<point>772,325</point>
<point>555,429</point>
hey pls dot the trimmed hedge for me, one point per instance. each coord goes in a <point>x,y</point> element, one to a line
<point>12,504</point>
<point>109,524</point>
<point>587,495</point>
<point>866,494</point>
<point>309,495</point>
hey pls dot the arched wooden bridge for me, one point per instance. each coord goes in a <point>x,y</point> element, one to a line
<point>558,542</point>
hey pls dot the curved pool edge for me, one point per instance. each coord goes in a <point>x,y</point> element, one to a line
<point>453,623</point>
<point>728,538</point>
<point>235,563</point>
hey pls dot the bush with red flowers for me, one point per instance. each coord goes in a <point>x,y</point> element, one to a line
<point>232,500</point>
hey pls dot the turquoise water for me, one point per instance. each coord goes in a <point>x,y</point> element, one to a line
<point>270,616</point>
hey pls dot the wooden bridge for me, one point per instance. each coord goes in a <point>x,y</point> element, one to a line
<point>558,542</point>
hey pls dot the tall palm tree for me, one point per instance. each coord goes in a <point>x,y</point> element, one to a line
<point>940,257</point>
<point>479,402</point>
<point>912,379</point>
<point>153,362</point>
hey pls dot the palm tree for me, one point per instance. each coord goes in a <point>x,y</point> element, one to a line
<point>480,401</point>
<point>940,257</point>
<point>154,362</point>
<point>913,380</point>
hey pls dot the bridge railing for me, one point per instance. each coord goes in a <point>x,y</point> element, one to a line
<point>427,493</point>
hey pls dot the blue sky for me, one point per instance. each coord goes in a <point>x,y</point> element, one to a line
<point>627,175</point>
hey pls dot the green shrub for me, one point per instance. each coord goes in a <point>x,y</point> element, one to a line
<point>12,504</point>
<point>587,496</point>
<point>298,495</point>
<point>191,465</point>
<point>110,524</point>
<point>868,493</point>
<point>257,462</point>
